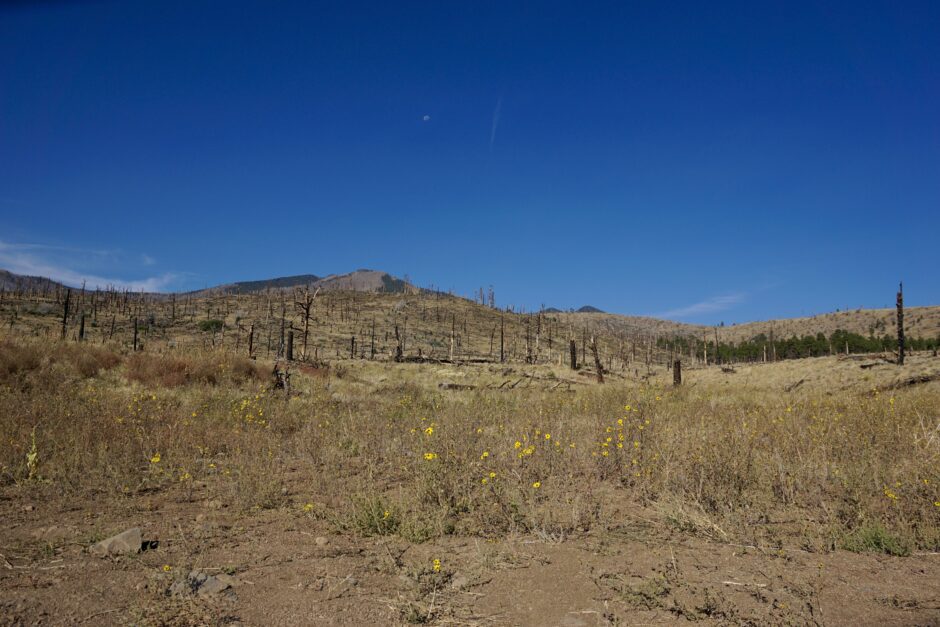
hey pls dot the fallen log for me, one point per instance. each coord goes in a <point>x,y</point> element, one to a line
<point>924,378</point>
<point>455,386</point>
<point>793,386</point>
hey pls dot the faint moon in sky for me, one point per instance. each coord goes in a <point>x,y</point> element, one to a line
<point>426,118</point>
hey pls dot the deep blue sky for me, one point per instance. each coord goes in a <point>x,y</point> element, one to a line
<point>706,161</point>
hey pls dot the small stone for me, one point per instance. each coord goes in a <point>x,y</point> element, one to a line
<point>214,504</point>
<point>123,543</point>
<point>204,585</point>
<point>180,588</point>
<point>321,541</point>
<point>215,585</point>
<point>29,508</point>
<point>459,582</point>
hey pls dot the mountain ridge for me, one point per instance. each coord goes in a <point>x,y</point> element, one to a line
<point>922,321</point>
<point>361,280</point>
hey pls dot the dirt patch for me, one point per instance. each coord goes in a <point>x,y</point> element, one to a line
<point>281,567</point>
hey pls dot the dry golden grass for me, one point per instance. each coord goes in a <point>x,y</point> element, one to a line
<point>386,452</point>
<point>841,374</point>
<point>921,322</point>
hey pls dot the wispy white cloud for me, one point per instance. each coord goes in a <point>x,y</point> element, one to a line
<point>499,105</point>
<point>147,260</point>
<point>707,306</point>
<point>27,246</point>
<point>30,259</point>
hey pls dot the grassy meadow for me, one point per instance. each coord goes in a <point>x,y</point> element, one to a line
<point>384,451</point>
<point>442,487</point>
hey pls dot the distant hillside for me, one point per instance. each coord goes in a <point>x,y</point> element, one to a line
<point>248,287</point>
<point>626,326</point>
<point>919,322</point>
<point>358,281</point>
<point>922,322</point>
<point>366,281</point>
<point>585,309</point>
<point>10,281</point>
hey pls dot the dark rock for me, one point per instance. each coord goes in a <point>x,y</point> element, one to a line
<point>204,585</point>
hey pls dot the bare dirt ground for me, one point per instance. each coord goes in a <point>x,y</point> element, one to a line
<point>287,568</point>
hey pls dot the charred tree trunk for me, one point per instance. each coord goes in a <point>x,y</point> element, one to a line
<point>677,373</point>
<point>528,345</point>
<point>280,346</point>
<point>597,361</point>
<point>304,304</point>
<point>574,355</point>
<point>65,312</point>
<point>453,332</point>
<point>372,341</point>
<point>717,348</point>
<point>901,324</point>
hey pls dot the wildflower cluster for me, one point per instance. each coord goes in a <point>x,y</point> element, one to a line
<point>250,411</point>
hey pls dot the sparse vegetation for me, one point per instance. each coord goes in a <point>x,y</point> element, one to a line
<point>481,463</point>
<point>379,451</point>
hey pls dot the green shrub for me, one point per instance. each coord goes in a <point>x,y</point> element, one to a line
<point>210,326</point>
<point>873,537</point>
